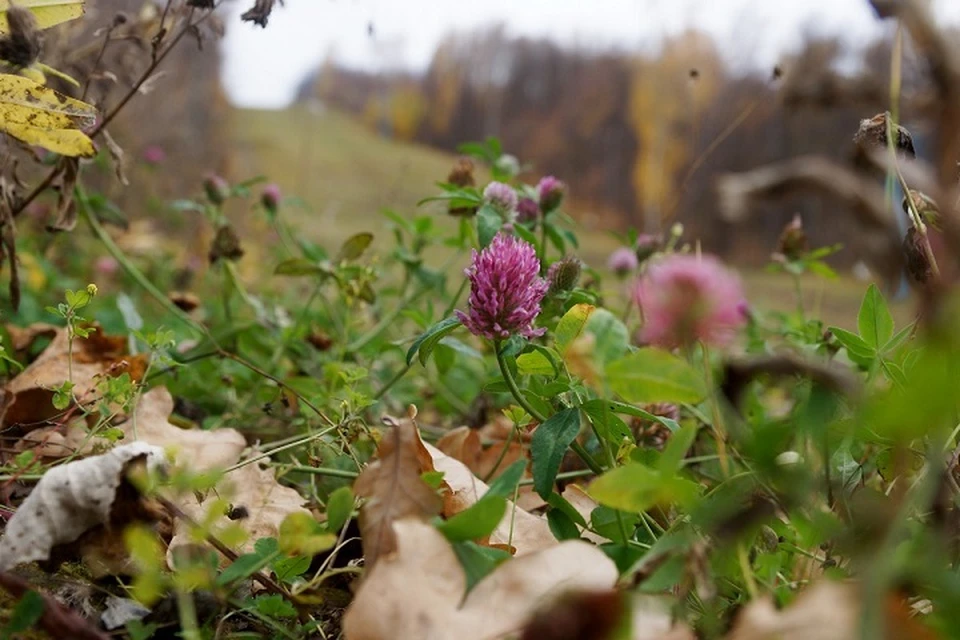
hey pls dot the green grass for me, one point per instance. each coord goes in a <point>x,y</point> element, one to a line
<point>346,175</point>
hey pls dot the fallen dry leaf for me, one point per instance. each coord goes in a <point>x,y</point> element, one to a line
<point>530,532</point>
<point>31,393</point>
<point>488,462</point>
<point>68,501</point>
<point>201,450</point>
<point>417,591</point>
<point>584,505</point>
<point>255,489</point>
<point>826,611</point>
<point>393,488</point>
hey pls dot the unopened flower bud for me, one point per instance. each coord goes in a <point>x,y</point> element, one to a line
<point>646,246</point>
<point>501,197</point>
<point>508,164</point>
<point>270,197</point>
<point>527,210</point>
<point>551,192</point>
<point>216,188</point>
<point>564,274</point>
<point>793,240</point>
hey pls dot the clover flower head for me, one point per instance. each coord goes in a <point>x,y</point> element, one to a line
<point>685,299</point>
<point>505,290</point>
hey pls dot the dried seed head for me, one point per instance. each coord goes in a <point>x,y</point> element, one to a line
<point>462,175</point>
<point>872,134</point>
<point>184,300</point>
<point>226,244</point>
<point>916,261</point>
<point>20,48</point>
<point>320,340</point>
<point>259,13</point>
<point>925,205</point>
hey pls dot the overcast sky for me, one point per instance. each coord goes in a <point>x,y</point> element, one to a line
<point>263,67</point>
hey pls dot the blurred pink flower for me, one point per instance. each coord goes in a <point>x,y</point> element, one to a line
<point>154,154</point>
<point>106,265</point>
<point>270,197</point>
<point>505,290</point>
<point>622,261</point>
<point>685,299</point>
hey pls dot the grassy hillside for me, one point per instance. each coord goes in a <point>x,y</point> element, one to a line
<point>345,175</point>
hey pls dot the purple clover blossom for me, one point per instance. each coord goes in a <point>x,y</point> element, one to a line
<point>505,290</point>
<point>502,197</point>
<point>154,154</point>
<point>527,210</point>
<point>551,192</point>
<point>623,261</point>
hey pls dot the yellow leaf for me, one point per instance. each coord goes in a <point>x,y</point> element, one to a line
<point>41,116</point>
<point>48,12</point>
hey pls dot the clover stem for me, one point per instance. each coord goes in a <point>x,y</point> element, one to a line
<point>575,446</point>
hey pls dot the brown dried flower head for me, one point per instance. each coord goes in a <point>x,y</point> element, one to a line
<point>21,46</point>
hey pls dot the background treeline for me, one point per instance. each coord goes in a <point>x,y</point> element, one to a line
<point>639,138</point>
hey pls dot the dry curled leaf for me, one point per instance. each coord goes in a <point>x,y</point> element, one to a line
<point>68,501</point>
<point>32,391</point>
<point>418,591</point>
<point>119,158</point>
<point>826,611</point>
<point>393,488</point>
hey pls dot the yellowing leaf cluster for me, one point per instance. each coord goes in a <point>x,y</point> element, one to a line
<point>38,115</point>
<point>48,12</point>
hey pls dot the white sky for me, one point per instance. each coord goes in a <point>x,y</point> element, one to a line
<point>263,67</point>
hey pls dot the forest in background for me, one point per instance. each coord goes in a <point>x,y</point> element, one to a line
<point>641,138</point>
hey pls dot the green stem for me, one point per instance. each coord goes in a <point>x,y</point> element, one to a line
<point>575,446</point>
<point>324,471</point>
<point>402,372</point>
